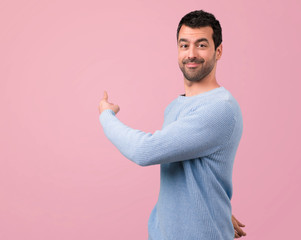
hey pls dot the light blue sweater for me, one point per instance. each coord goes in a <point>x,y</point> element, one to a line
<point>196,149</point>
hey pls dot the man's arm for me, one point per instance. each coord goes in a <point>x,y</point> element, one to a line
<point>199,133</point>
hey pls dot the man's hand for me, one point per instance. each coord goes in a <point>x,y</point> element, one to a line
<point>238,231</point>
<point>104,104</point>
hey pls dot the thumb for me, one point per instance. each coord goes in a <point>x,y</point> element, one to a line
<point>105,95</point>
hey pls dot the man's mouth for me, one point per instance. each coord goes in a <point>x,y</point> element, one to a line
<point>192,64</point>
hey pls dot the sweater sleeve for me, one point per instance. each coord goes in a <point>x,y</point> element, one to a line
<point>198,134</point>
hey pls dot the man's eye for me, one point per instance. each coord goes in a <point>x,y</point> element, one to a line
<point>183,46</point>
<point>202,45</point>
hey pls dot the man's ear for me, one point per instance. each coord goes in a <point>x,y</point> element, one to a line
<point>219,51</point>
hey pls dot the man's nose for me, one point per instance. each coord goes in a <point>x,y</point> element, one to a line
<point>192,53</point>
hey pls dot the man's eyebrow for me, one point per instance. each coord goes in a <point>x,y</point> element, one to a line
<point>197,41</point>
<point>183,40</point>
<point>202,40</point>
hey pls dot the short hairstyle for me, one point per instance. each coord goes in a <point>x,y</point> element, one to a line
<point>200,18</point>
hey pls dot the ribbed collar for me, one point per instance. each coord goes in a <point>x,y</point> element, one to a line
<point>184,98</point>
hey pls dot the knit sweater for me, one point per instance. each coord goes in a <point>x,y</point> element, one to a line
<point>195,148</point>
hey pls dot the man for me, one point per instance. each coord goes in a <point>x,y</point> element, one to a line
<point>196,146</point>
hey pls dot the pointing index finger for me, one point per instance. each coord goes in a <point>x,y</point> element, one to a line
<point>105,95</point>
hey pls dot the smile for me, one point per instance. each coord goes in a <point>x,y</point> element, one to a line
<point>191,65</point>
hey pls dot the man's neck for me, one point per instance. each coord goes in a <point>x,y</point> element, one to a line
<point>194,88</point>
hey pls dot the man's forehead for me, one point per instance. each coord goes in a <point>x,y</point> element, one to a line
<point>192,34</point>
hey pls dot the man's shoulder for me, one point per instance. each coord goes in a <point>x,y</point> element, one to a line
<point>221,99</point>
<point>221,104</point>
<point>170,106</point>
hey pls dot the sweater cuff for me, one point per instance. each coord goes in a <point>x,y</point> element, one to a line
<point>106,115</point>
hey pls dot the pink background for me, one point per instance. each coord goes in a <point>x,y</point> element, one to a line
<point>60,178</point>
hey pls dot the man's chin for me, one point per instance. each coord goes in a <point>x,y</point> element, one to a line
<point>193,79</point>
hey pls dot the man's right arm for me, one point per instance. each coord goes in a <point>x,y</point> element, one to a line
<point>198,134</point>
